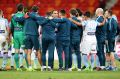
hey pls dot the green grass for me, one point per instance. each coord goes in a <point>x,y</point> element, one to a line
<point>60,75</point>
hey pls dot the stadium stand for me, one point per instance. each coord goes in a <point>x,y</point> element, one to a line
<point>116,10</point>
<point>8,6</point>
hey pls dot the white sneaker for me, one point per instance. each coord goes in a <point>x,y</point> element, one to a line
<point>70,69</point>
<point>43,68</point>
<point>49,68</point>
<point>102,67</point>
<point>78,69</point>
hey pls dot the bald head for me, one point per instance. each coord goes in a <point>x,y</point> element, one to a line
<point>99,11</point>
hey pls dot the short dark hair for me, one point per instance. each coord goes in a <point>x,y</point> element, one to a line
<point>87,13</point>
<point>79,12</point>
<point>35,8</point>
<point>73,12</point>
<point>63,12</point>
<point>20,7</point>
<point>48,13</point>
<point>109,11</point>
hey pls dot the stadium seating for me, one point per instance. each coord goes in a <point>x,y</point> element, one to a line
<point>17,1</point>
<point>3,1</point>
<point>116,10</point>
<point>8,6</point>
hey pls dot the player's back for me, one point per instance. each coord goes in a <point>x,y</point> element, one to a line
<point>101,31</point>
<point>18,27</point>
<point>3,26</point>
<point>90,27</point>
<point>31,25</point>
<point>76,32</point>
<point>63,32</point>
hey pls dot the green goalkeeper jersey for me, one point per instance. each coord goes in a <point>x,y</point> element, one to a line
<point>16,27</point>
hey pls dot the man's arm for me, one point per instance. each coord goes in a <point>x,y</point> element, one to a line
<point>101,21</point>
<point>59,20</point>
<point>43,21</point>
<point>73,25</point>
<point>11,30</point>
<point>19,19</point>
<point>8,30</point>
<point>115,25</point>
<point>55,25</point>
<point>35,16</point>
<point>6,24</point>
<point>77,23</point>
<point>101,24</point>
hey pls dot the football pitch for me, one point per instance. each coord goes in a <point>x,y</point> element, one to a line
<point>12,74</point>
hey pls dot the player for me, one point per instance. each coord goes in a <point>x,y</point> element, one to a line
<point>89,42</point>
<point>100,36</point>
<point>75,40</point>
<point>18,36</point>
<point>111,34</point>
<point>3,39</point>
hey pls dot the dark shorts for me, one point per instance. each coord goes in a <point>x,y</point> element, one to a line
<point>75,45</point>
<point>110,45</point>
<point>32,41</point>
<point>63,43</point>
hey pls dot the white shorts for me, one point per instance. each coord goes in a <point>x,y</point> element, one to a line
<point>3,43</point>
<point>88,45</point>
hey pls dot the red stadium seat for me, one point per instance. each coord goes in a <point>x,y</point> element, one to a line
<point>9,7</point>
<point>9,10</point>
<point>10,1</point>
<point>17,1</point>
<point>50,9</point>
<point>3,2</point>
<point>9,17</point>
<point>2,6</point>
<point>116,10</point>
<point>30,2</point>
<point>58,2</point>
<point>24,2</point>
<point>73,1</point>
<point>91,9</point>
<point>74,5</point>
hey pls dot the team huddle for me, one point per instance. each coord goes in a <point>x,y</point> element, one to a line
<point>91,39</point>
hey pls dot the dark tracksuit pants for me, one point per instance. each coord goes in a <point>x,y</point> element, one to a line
<point>70,57</point>
<point>100,52</point>
<point>110,46</point>
<point>75,48</point>
<point>50,46</point>
<point>63,46</point>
